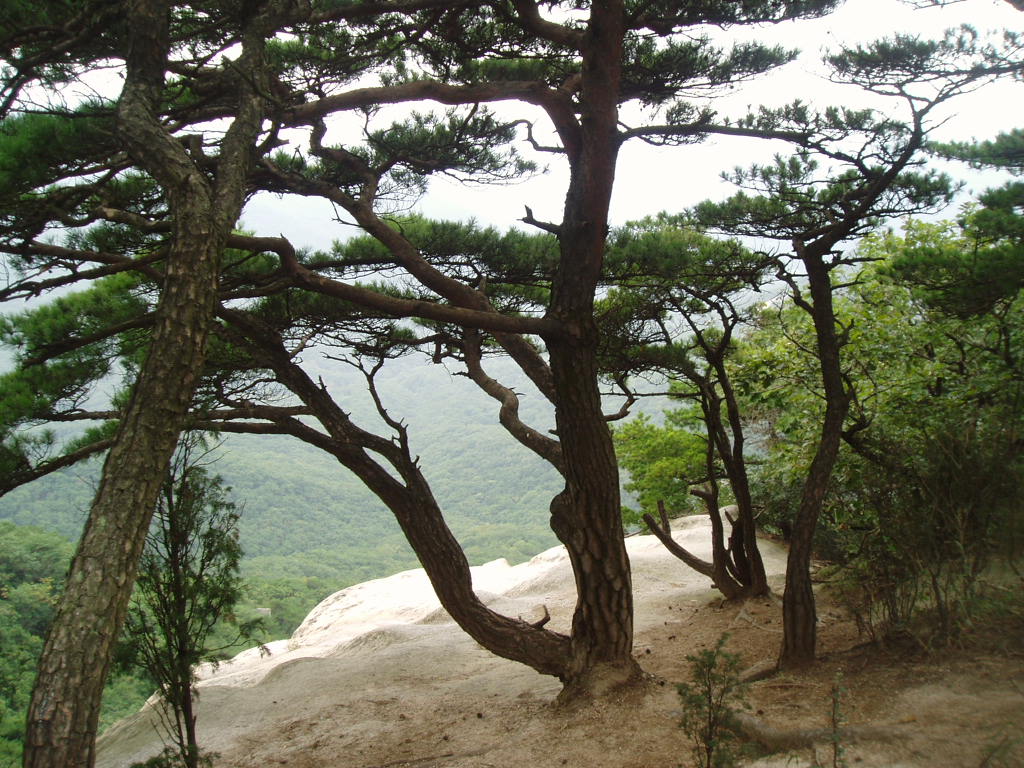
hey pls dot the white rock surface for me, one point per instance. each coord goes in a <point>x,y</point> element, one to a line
<point>390,638</point>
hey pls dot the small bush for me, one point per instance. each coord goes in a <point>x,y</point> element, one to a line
<point>171,758</point>
<point>709,703</point>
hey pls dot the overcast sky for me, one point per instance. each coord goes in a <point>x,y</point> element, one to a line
<point>652,179</point>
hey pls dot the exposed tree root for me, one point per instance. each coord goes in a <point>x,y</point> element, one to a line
<point>760,671</point>
<point>602,681</point>
<point>745,616</point>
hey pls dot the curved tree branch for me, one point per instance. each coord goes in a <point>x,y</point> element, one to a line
<point>548,449</point>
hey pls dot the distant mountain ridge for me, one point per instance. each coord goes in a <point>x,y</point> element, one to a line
<point>300,501</point>
<point>306,517</point>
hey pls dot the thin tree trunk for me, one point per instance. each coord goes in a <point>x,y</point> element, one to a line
<point>748,553</point>
<point>446,566</point>
<point>724,572</point>
<point>728,586</point>
<point>737,571</point>
<point>189,717</point>
<point>799,617</point>
<point>178,636</point>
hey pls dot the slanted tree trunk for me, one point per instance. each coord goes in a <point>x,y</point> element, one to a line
<point>64,710</point>
<point>404,490</point>
<point>799,617</point>
<point>736,569</point>
<point>446,566</point>
<point>586,514</point>
<point>717,571</point>
<point>722,570</point>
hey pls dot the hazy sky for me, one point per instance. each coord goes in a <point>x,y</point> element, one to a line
<point>652,179</point>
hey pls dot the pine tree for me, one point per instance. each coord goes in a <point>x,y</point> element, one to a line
<point>159,191</point>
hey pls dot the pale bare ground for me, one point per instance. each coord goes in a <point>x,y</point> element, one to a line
<point>379,677</point>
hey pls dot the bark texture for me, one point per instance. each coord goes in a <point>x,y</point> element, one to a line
<point>64,709</point>
<point>586,515</point>
<point>799,617</point>
<point>64,712</point>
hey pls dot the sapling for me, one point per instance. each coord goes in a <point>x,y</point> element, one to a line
<point>709,703</point>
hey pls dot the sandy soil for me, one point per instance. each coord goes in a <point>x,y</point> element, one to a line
<point>379,677</point>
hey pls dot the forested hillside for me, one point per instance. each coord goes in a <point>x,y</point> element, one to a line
<point>306,517</point>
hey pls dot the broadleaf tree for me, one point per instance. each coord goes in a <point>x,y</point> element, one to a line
<point>924,496</point>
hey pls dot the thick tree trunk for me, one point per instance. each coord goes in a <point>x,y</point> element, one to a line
<point>586,516</point>
<point>587,519</point>
<point>799,617</point>
<point>64,710</point>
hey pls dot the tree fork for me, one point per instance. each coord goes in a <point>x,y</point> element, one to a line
<point>64,710</point>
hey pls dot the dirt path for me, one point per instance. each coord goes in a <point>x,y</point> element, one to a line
<point>378,677</point>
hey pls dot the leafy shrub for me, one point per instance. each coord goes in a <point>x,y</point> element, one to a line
<point>709,703</point>
<point>933,529</point>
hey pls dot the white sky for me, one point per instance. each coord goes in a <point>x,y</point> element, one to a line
<point>653,179</point>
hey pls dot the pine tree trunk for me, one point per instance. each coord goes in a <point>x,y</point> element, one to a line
<point>587,519</point>
<point>755,578</point>
<point>64,710</point>
<point>799,618</point>
<point>446,566</point>
<point>586,516</point>
<point>737,571</point>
